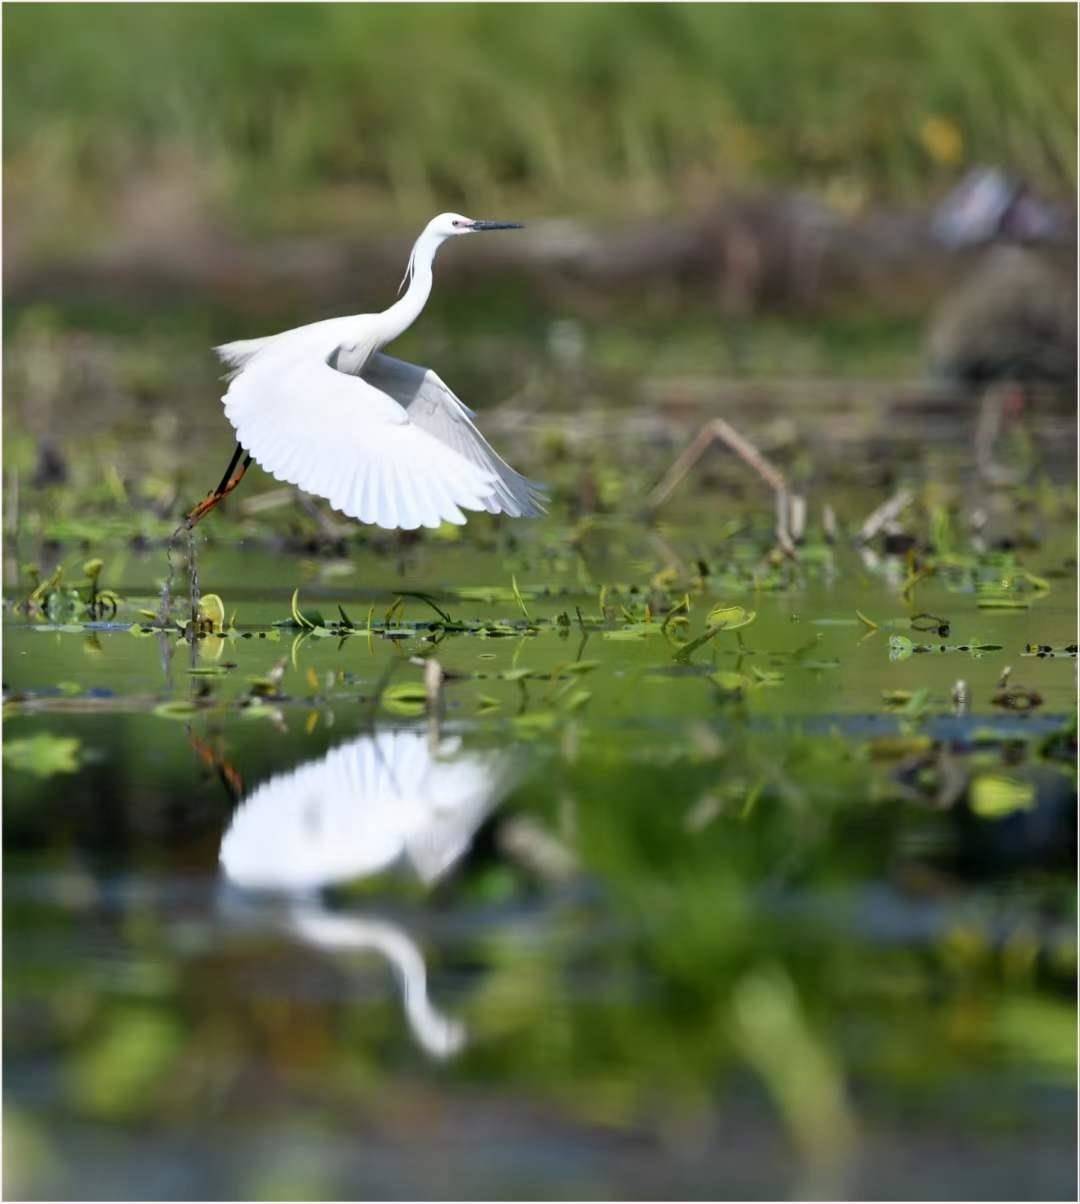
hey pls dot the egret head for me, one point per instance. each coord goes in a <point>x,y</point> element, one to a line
<point>447,225</point>
<point>437,231</point>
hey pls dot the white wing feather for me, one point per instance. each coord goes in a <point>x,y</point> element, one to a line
<point>236,354</point>
<point>433,407</point>
<point>341,437</point>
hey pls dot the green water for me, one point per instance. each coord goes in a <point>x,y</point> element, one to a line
<point>610,913</point>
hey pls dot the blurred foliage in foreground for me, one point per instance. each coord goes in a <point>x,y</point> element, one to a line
<point>297,115</point>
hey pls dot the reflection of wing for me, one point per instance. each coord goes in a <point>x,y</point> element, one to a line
<point>460,791</point>
<point>338,436</point>
<point>359,809</point>
<point>433,407</point>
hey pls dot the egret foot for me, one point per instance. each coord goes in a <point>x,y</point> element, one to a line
<point>233,476</point>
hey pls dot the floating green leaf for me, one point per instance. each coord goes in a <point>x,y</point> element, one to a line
<point>212,611</point>
<point>994,796</point>
<point>728,618</point>
<point>1048,651</point>
<point>43,754</point>
<point>405,698</point>
<point>177,709</point>
<point>900,648</point>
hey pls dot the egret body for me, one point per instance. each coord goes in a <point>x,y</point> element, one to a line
<point>384,441</point>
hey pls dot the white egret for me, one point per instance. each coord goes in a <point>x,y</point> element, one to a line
<point>384,441</point>
<point>395,798</point>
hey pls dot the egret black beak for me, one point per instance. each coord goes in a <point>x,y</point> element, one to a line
<point>497,225</point>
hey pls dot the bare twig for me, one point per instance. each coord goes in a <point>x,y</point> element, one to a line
<point>327,526</point>
<point>797,516</point>
<point>993,409</point>
<point>165,607</point>
<point>269,499</point>
<point>719,430</point>
<point>885,513</point>
<point>433,687</point>
<point>194,592</point>
<point>524,841</point>
<point>716,430</point>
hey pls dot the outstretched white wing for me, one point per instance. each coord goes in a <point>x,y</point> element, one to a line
<point>341,437</point>
<point>433,407</point>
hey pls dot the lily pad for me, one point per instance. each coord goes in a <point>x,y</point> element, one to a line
<point>406,699</point>
<point>43,755</point>
<point>995,796</point>
<point>212,611</point>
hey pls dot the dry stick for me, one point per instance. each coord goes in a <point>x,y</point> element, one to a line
<point>193,580</point>
<point>720,430</point>
<point>166,590</point>
<point>269,499</point>
<point>987,430</point>
<point>885,513</point>
<point>797,513</point>
<point>165,654</point>
<point>194,595</point>
<point>667,552</point>
<point>327,526</point>
<point>433,688</point>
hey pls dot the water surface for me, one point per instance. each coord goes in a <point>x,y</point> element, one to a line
<point>606,914</point>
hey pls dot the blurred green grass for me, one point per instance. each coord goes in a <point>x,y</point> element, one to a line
<point>311,116</point>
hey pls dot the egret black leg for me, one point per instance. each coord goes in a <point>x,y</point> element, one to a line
<point>233,476</point>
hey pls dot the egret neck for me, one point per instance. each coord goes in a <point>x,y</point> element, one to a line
<point>404,312</point>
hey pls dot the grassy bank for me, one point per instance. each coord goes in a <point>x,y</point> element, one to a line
<point>316,116</point>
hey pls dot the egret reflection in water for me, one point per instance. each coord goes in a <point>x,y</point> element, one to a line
<point>379,802</point>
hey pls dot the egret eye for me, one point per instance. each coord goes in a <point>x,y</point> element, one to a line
<point>455,222</point>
